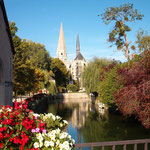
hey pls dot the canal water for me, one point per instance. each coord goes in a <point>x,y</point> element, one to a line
<point>90,124</point>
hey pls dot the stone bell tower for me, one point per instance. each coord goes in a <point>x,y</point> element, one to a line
<point>61,48</point>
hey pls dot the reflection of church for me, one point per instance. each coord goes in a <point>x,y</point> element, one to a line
<point>79,115</point>
<point>77,65</point>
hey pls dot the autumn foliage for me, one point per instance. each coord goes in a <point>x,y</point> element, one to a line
<point>134,97</point>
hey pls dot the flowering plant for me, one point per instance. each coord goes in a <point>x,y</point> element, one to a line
<point>16,125</point>
<point>21,128</point>
<point>53,138</point>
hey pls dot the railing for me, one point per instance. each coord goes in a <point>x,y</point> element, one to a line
<point>113,144</point>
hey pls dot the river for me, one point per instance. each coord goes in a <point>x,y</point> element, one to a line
<point>90,124</point>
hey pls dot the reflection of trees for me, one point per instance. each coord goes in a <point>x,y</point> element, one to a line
<point>61,109</point>
<point>109,128</point>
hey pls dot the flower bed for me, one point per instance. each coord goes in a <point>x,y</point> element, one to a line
<point>22,129</point>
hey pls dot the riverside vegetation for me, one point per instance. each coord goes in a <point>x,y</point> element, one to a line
<point>123,86</point>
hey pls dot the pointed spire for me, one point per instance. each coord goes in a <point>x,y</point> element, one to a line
<point>77,45</point>
<point>61,48</point>
<point>61,42</point>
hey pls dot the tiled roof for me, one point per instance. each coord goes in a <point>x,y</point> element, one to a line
<point>79,57</point>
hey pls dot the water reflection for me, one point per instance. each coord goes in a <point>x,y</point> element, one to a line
<point>88,123</point>
<point>79,115</point>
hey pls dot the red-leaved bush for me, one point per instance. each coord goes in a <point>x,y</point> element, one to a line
<point>134,97</point>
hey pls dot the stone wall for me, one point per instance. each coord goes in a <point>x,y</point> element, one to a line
<point>5,64</point>
<point>73,97</point>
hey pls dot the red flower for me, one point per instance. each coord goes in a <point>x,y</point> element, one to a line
<point>1,145</point>
<point>1,136</point>
<point>1,129</point>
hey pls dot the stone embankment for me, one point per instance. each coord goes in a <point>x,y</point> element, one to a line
<point>73,97</point>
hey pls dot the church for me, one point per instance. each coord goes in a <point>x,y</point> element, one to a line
<point>76,66</point>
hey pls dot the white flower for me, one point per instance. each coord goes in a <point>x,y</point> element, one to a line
<point>36,115</point>
<point>69,136</point>
<point>9,109</point>
<point>46,143</point>
<point>57,131</point>
<point>63,135</point>
<point>66,144</point>
<point>53,117</point>
<point>57,142</point>
<point>53,137</point>
<point>41,143</point>
<point>51,143</point>
<point>36,145</point>
<point>73,141</point>
<point>66,122</point>
<point>57,117</point>
<point>61,146</point>
<point>39,137</point>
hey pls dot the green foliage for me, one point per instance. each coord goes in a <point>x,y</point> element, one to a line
<point>29,59</point>
<point>121,16</point>
<point>72,88</point>
<point>36,54</point>
<point>108,86</point>
<point>143,40</point>
<point>24,79</point>
<point>76,83</point>
<point>92,74</point>
<point>52,89</point>
<point>61,75</point>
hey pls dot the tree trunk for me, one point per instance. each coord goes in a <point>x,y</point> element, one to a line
<point>127,48</point>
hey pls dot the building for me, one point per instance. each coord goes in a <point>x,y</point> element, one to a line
<point>6,58</point>
<point>61,48</point>
<point>77,65</point>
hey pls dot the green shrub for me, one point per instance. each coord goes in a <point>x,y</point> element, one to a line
<point>108,86</point>
<point>72,88</point>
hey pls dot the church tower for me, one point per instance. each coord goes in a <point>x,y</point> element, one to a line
<point>61,48</point>
<point>77,46</point>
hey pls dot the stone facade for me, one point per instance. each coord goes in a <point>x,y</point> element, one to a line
<point>61,48</point>
<point>77,65</point>
<point>6,57</point>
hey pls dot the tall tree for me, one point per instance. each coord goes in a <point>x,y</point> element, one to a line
<point>26,75</point>
<point>61,75</point>
<point>92,74</point>
<point>120,16</point>
<point>36,54</point>
<point>143,40</point>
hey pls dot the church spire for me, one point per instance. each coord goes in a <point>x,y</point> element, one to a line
<point>61,48</point>
<point>77,45</point>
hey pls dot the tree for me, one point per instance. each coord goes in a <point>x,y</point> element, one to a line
<point>121,16</point>
<point>36,54</point>
<point>26,72</point>
<point>143,40</point>
<point>109,85</point>
<point>72,87</point>
<point>92,74</point>
<point>61,75</point>
<point>134,97</point>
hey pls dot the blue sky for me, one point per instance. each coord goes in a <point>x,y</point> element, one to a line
<point>39,21</point>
